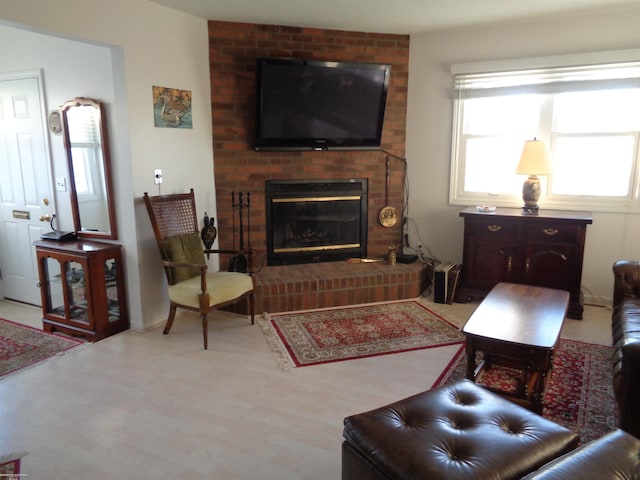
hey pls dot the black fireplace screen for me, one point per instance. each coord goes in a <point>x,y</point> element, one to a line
<point>316,221</point>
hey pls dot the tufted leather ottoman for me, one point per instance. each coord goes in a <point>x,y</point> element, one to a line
<point>457,431</point>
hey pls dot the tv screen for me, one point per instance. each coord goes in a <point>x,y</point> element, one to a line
<point>319,105</point>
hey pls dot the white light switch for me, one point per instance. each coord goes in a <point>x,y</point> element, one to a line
<point>61,184</point>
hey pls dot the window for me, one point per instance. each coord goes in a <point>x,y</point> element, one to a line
<point>589,116</point>
<point>86,154</point>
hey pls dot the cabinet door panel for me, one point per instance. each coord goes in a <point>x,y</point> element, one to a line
<point>490,262</point>
<point>65,296</point>
<point>552,266</point>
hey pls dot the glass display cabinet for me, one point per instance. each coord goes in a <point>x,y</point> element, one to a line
<point>82,288</point>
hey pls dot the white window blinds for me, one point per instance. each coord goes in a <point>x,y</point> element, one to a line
<point>548,80</point>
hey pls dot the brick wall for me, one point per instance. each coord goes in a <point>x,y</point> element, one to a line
<point>234,48</point>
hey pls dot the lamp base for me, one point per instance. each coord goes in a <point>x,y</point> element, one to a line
<point>531,194</point>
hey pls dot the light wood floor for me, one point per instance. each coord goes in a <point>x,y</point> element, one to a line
<point>153,406</point>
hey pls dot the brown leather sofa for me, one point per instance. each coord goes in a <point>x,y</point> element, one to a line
<point>625,328</point>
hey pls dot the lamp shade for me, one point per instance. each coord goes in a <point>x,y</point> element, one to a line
<point>535,159</point>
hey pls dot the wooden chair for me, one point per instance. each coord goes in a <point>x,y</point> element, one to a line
<point>191,286</point>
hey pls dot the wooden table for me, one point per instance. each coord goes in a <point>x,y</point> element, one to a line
<point>517,326</point>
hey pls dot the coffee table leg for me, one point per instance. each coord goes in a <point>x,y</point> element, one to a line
<point>537,391</point>
<point>471,361</point>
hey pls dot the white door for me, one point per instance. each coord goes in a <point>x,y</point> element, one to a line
<point>25,183</point>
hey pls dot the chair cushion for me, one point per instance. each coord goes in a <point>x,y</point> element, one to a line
<point>221,287</point>
<point>183,248</point>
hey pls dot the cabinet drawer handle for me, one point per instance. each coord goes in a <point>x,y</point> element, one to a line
<point>494,228</point>
<point>509,263</point>
<point>550,231</point>
<point>527,265</point>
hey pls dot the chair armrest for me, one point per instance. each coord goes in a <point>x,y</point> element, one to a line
<point>250,253</point>
<point>626,280</point>
<point>224,251</point>
<point>202,266</point>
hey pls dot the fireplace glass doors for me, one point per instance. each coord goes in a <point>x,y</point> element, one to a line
<point>316,220</point>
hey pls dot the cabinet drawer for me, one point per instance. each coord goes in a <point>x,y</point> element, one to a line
<point>551,232</point>
<point>496,228</point>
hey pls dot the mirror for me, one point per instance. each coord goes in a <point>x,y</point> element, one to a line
<point>90,183</point>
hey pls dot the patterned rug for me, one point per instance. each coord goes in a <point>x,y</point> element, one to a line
<point>333,335</point>
<point>579,394</point>
<point>22,346</point>
<point>10,466</point>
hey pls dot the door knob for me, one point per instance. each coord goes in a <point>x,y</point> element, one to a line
<point>45,218</point>
<point>45,202</point>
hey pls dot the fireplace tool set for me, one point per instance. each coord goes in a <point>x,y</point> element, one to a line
<point>239,262</point>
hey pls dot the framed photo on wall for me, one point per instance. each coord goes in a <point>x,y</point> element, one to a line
<point>172,108</point>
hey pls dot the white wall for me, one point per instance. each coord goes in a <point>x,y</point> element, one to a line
<point>612,236</point>
<point>149,45</point>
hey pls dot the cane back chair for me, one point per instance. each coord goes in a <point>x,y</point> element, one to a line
<point>191,287</point>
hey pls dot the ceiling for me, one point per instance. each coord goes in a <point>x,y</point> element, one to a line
<point>383,16</point>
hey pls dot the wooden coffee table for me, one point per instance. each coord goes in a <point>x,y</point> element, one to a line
<point>517,326</point>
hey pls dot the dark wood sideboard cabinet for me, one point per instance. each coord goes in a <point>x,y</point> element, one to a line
<point>83,289</point>
<point>511,246</point>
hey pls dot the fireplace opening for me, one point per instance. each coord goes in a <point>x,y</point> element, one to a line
<point>316,220</point>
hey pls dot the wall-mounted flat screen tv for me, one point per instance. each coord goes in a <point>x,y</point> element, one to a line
<point>319,105</point>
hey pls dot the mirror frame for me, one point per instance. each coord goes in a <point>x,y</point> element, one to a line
<point>106,160</point>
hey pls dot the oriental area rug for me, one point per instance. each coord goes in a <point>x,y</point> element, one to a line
<point>579,394</point>
<point>22,346</point>
<point>10,466</point>
<point>337,334</point>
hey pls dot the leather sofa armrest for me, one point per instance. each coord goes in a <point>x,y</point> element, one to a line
<point>626,389</point>
<point>615,455</point>
<point>626,283</point>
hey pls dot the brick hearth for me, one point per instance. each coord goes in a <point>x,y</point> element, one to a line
<point>319,285</point>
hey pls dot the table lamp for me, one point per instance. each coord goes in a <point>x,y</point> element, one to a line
<point>534,160</point>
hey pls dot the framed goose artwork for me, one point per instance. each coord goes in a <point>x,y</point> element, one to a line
<point>172,108</point>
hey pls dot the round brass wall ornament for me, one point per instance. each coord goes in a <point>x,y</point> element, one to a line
<point>388,217</point>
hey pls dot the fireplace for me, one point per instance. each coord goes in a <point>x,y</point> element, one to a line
<point>315,220</point>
